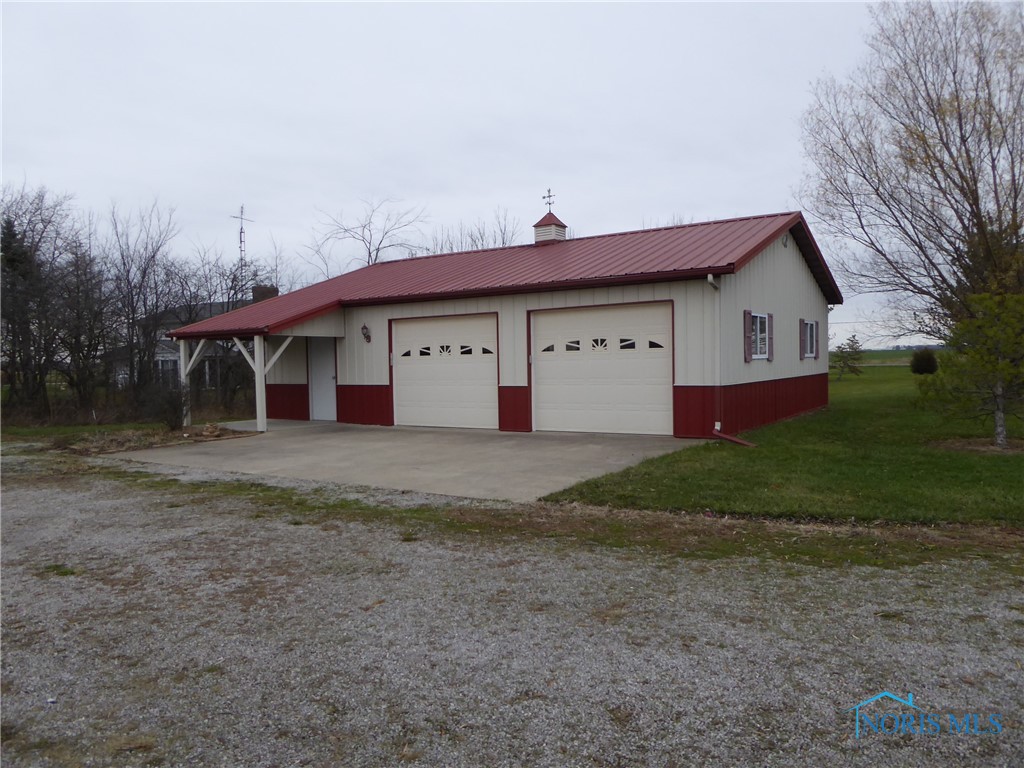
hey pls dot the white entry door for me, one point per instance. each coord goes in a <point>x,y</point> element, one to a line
<point>446,371</point>
<point>606,369</point>
<point>323,379</point>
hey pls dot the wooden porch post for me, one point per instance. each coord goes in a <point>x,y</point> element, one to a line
<point>183,371</point>
<point>259,371</point>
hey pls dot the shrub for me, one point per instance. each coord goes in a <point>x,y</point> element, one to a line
<point>163,404</point>
<point>846,358</point>
<point>924,362</point>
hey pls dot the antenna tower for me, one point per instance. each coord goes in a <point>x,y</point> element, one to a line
<point>241,233</point>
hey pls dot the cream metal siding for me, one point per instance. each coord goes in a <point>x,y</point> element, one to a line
<point>777,281</point>
<point>694,302</point>
<point>331,325</point>
<point>290,367</point>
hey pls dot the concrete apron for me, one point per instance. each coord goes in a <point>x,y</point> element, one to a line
<point>474,463</point>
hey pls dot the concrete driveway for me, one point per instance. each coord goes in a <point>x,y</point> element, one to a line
<point>457,462</point>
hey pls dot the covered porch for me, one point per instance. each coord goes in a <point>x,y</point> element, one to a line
<point>294,368</point>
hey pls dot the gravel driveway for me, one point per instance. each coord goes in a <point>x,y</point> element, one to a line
<point>152,627</point>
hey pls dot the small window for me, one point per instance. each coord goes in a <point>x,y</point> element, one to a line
<point>599,345</point>
<point>424,351</point>
<point>627,343</point>
<point>652,344</point>
<point>572,346</point>
<point>758,336</point>
<point>485,351</point>
<point>549,348</point>
<point>407,353</point>
<point>465,349</point>
<point>810,340</point>
<point>445,350</point>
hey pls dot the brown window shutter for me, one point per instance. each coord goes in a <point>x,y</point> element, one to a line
<point>748,339</point>
<point>771,339</point>
<point>817,341</point>
<point>801,338</point>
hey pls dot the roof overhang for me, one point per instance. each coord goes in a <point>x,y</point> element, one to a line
<point>797,228</point>
<point>274,320</point>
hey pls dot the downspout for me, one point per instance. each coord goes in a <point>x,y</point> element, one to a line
<point>733,439</point>
<point>717,431</point>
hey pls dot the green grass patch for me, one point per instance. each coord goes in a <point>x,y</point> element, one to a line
<point>692,536</point>
<point>65,433</point>
<point>57,569</point>
<point>874,454</point>
<point>701,537</point>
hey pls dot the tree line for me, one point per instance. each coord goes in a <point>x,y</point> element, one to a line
<point>86,300</point>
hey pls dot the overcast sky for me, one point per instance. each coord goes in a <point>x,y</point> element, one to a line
<point>634,114</point>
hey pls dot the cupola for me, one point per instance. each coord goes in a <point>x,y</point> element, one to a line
<point>550,229</point>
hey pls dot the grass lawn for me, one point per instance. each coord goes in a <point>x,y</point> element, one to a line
<point>873,454</point>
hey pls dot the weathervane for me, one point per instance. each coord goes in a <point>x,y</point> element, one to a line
<point>241,232</point>
<point>549,199</point>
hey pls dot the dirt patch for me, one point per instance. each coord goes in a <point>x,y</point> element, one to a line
<point>981,445</point>
<point>101,442</point>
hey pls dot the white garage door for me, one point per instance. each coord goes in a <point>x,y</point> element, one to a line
<point>446,372</point>
<point>607,369</point>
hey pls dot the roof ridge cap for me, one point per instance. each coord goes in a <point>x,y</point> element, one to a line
<point>576,239</point>
<point>439,255</point>
<point>691,224</point>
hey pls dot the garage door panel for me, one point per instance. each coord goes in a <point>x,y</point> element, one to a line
<point>604,369</point>
<point>446,372</point>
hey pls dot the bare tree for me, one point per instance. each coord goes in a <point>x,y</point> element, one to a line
<point>503,230</point>
<point>379,233</point>
<point>84,298</point>
<point>278,270</point>
<point>918,160</point>
<point>144,285</point>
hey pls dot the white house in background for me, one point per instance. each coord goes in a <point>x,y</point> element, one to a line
<point>686,331</point>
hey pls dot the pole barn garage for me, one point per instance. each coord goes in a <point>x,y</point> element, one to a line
<point>693,331</point>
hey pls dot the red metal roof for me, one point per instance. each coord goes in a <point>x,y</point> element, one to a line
<point>549,218</point>
<point>649,255</point>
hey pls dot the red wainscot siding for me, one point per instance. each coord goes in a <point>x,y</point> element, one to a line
<point>288,401</point>
<point>514,411</point>
<point>366,404</point>
<point>745,406</point>
<point>693,411</point>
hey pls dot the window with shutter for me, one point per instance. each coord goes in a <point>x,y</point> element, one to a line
<point>809,340</point>
<point>758,336</point>
<point>817,340</point>
<point>771,339</point>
